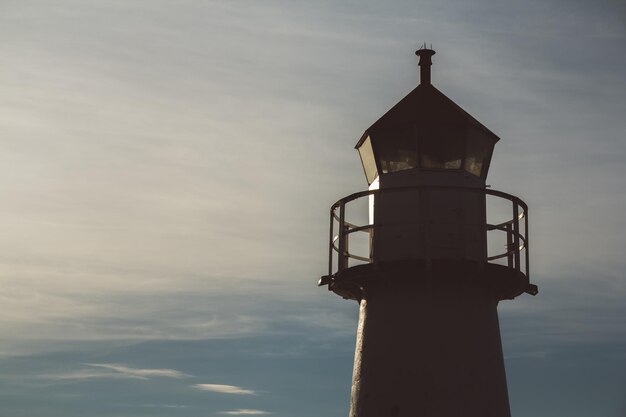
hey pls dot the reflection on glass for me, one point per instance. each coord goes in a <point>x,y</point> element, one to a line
<point>478,151</point>
<point>367,159</point>
<point>400,160</point>
<point>441,147</point>
<point>397,149</point>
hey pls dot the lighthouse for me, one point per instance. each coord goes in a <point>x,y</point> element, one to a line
<point>421,254</point>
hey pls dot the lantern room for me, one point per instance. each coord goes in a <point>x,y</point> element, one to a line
<point>426,138</point>
<point>426,162</point>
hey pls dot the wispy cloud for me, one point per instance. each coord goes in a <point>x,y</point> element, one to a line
<point>113,371</point>
<point>164,405</point>
<point>224,389</point>
<point>140,373</point>
<point>86,374</point>
<point>244,412</point>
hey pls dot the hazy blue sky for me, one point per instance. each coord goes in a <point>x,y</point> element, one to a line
<point>167,169</point>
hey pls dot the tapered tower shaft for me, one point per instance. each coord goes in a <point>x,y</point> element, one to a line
<point>427,348</point>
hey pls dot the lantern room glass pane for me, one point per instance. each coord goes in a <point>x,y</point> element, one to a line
<point>367,159</point>
<point>441,147</point>
<point>479,148</point>
<point>397,149</point>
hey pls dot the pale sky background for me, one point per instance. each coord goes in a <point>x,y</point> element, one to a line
<point>167,169</point>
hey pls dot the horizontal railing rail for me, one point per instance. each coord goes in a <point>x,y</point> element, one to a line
<point>517,241</point>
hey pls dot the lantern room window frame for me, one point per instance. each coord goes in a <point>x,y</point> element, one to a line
<point>379,153</point>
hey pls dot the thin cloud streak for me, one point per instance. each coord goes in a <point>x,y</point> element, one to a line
<point>164,405</point>
<point>114,371</point>
<point>86,374</point>
<point>140,373</point>
<point>244,412</point>
<point>224,389</point>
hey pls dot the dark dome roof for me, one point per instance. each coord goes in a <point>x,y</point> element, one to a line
<point>427,106</point>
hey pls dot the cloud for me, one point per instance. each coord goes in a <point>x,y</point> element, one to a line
<point>113,371</point>
<point>85,374</point>
<point>224,389</point>
<point>244,412</point>
<point>164,405</point>
<point>140,373</point>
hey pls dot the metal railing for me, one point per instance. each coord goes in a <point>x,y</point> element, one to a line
<point>516,240</point>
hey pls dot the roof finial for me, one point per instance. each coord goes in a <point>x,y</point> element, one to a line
<point>425,62</point>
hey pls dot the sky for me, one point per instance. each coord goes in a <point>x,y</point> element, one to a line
<point>168,166</point>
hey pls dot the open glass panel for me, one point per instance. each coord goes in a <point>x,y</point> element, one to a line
<point>367,159</point>
<point>397,149</point>
<point>441,147</point>
<point>479,149</point>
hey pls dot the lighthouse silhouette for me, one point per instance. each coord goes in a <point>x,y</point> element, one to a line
<point>426,262</point>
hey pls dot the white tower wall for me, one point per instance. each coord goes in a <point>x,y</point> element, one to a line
<point>428,350</point>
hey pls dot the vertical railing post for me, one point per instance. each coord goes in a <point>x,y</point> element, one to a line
<point>509,245</point>
<point>343,257</point>
<point>372,230</point>
<point>346,245</point>
<point>483,208</point>
<point>527,249</point>
<point>330,244</point>
<point>516,235</point>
